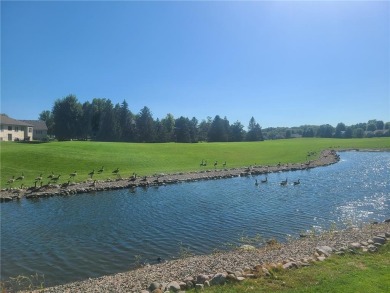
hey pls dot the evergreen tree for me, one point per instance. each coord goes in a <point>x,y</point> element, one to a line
<point>236,132</point>
<point>254,131</point>
<point>67,113</point>
<point>219,130</point>
<point>145,126</point>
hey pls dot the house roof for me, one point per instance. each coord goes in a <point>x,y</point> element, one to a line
<point>5,120</point>
<point>37,124</point>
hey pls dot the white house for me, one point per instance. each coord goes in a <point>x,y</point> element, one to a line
<point>39,128</point>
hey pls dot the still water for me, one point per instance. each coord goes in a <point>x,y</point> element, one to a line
<point>77,237</point>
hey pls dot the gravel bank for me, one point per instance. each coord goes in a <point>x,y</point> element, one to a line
<point>298,250</point>
<point>326,157</point>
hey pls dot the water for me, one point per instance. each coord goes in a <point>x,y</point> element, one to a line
<point>74,238</point>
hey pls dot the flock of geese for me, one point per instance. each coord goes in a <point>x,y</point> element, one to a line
<point>54,178</point>
<point>282,183</point>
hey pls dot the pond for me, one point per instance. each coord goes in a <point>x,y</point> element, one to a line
<point>78,237</point>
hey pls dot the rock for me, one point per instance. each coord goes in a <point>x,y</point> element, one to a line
<point>173,287</point>
<point>378,239</point>
<point>290,265</point>
<point>206,283</point>
<point>249,276</point>
<point>321,258</point>
<point>247,247</point>
<point>218,279</point>
<point>144,291</point>
<point>154,285</point>
<point>372,248</point>
<point>324,250</point>
<point>240,279</point>
<point>158,290</point>
<point>355,245</point>
<point>182,285</point>
<point>201,279</point>
<point>231,277</point>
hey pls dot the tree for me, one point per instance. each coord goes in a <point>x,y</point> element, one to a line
<point>145,125</point>
<point>339,130</point>
<point>168,123</point>
<point>127,123</point>
<point>288,133</point>
<point>67,113</point>
<point>107,129</point>
<point>219,130</point>
<point>236,132</point>
<point>203,129</point>
<point>348,132</point>
<point>194,129</point>
<point>325,130</point>
<point>380,125</point>
<point>254,131</point>
<point>47,116</point>
<point>371,126</point>
<point>308,132</point>
<point>183,129</point>
<point>358,133</point>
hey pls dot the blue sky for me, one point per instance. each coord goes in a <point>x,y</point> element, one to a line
<point>285,63</point>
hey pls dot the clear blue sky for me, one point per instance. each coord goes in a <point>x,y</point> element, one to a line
<point>284,63</point>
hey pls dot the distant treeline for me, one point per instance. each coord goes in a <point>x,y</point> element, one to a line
<point>102,121</point>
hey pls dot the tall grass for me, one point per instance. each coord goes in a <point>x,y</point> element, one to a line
<point>146,159</point>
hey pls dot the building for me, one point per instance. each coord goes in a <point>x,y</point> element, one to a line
<point>39,129</point>
<point>14,130</point>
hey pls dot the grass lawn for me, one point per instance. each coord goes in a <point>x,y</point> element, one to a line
<point>354,273</point>
<point>147,159</point>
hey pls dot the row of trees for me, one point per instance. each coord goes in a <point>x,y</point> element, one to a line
<point>101,120</point>
<point>370,129</point>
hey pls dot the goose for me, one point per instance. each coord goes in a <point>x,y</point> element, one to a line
<point>264,180</point>
<point>101,170</point>
<point>297,182</point>
<point>256,183</point>
<point>51,175</point>
<point>55,178</point>
<point>116,171</point>
<point>39,178</point>
<point>284,182</point>
<point>91,173</point>
<point>72,175</point>
<point>21,177</point>
<point>11,180</point>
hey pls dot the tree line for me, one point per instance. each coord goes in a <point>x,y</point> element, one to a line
<point>101,120</point>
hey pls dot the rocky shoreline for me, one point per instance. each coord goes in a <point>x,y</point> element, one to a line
<point>235,265</point>
<point>326,157</point>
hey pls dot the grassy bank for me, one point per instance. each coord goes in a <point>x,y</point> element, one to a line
<point>353,273</point>
<point>146,159</point>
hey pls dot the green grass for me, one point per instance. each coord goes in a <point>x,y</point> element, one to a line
<point>147,159</point>
<point>352,273</point>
